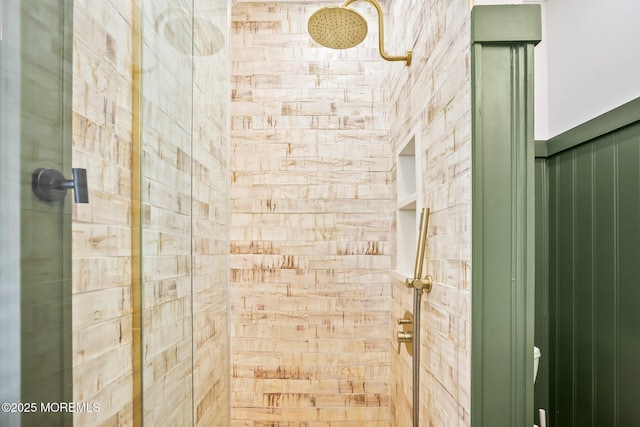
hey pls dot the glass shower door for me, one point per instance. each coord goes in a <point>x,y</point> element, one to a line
<point>35,235</point>
<point>166,204</point>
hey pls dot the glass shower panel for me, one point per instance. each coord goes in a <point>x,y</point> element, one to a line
<point>210,201</point>
<point>166,140</point>
<point>35,248</point>
<point>184,118</point>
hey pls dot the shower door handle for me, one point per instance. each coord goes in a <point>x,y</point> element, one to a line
<point>51,186</point>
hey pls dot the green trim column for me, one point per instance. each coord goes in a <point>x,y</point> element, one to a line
<point>503,216</point>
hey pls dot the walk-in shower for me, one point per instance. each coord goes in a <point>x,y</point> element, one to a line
<point>338,27</point>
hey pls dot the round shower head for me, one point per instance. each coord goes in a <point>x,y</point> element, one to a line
<point>337,27</point>
<point>188,34</point>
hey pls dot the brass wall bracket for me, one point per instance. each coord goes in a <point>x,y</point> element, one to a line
<point>425,284</point>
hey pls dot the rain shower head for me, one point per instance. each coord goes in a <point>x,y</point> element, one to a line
<point>338,27</point>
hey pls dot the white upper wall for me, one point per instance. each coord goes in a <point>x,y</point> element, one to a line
<point>587,62</point>
<point>593,63</point>
<point>540,86</point>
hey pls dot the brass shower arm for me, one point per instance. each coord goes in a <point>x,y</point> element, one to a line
<point>406,58</point>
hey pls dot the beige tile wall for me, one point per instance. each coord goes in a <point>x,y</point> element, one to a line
<point>310,225</point>
<point>101,243</point>
<point>434,95</point>
<point>282,207</point>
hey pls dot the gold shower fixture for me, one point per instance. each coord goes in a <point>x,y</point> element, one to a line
<point>419,282</point>
<point>338,27</point>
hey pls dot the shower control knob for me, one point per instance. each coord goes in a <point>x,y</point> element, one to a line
<point>405,336</point>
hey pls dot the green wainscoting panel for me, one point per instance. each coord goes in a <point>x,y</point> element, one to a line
<point>541,335</point>
<point>594,287</point>
<point>628,210</point>
<point>503,215</point>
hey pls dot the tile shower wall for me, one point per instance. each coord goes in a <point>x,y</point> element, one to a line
<point>101,242</point>
<point>434,95</point>
<point>186,235</point>
<point>310,225</point>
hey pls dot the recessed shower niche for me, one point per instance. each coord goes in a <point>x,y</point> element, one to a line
<point>408,202</point>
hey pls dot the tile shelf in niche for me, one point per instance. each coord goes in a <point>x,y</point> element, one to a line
<point>408,202</point>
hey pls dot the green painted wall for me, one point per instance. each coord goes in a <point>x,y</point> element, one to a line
<point>593,352</point>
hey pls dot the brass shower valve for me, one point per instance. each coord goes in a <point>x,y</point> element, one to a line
<point>406,334</point>
<point>406,338</point>
<point>425,284</point>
